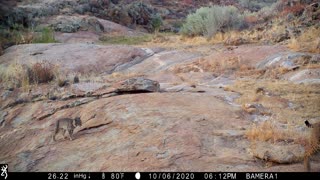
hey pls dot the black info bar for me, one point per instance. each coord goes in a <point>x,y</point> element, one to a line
<point>159,175</point>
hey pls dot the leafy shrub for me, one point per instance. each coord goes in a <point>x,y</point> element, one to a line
<point>15,35</point>
<point>156,22</point>
<point>207,21</point>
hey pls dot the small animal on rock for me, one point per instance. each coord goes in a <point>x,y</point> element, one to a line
<point>66,124</point>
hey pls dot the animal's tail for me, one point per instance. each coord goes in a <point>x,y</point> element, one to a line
<point>307,164</point>
<point>308,124</point>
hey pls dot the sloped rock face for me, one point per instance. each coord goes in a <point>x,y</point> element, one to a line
<point>305,76</point>
<point>74,57</point>
<point>150,131</point>
<point>186,121</point>
<point>290,62</point>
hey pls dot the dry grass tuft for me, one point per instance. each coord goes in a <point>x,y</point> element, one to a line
<point>232,65</point>
<point>288,102</point>
<point>15,75</point>
<point>308,41</point>
<point>18,75</point>
<point>264,131</point>
<point>271,131</point>
<point>42,72</point>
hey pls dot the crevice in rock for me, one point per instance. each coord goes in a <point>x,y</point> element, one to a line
<point>70,105</point>
<point>15,103</point>
<point>95,127</point>
<point>75,103</point>
<point>132,92</point>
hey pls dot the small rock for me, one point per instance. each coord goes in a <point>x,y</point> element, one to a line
<point>6,94</point>
<point>75,80</point>
<point>138,85</point>
<point>67,96</point>
<point>255,108</point>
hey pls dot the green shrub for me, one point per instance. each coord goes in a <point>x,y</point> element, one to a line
<point>156,22</point>
<point>207,21</point>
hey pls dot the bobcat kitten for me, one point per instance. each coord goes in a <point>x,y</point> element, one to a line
<point>66,124</point>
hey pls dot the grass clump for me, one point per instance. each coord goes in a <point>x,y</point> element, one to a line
<point>46,35</point>
<point>308,41</point>
<point>289,102</point>
<point>18,75</point>
<point>128,40</point>
<point>271,131</point>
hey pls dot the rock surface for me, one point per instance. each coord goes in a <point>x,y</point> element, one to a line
<point>74,57</point>
<point>186,121</point>
<point>278,153</point>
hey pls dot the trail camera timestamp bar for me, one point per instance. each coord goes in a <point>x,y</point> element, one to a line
<point>157,175</point>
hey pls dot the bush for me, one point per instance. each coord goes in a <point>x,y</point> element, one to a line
<point>156,22</point>
<point>207,21</point>
<point>42,72</point>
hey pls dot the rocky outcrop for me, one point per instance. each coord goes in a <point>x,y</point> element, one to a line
<point>70,24</point>
<point>138,85</point>
<point>289,60</point>
<point>307,76</point>
<point>289,63</point>
<point>279,152</point>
